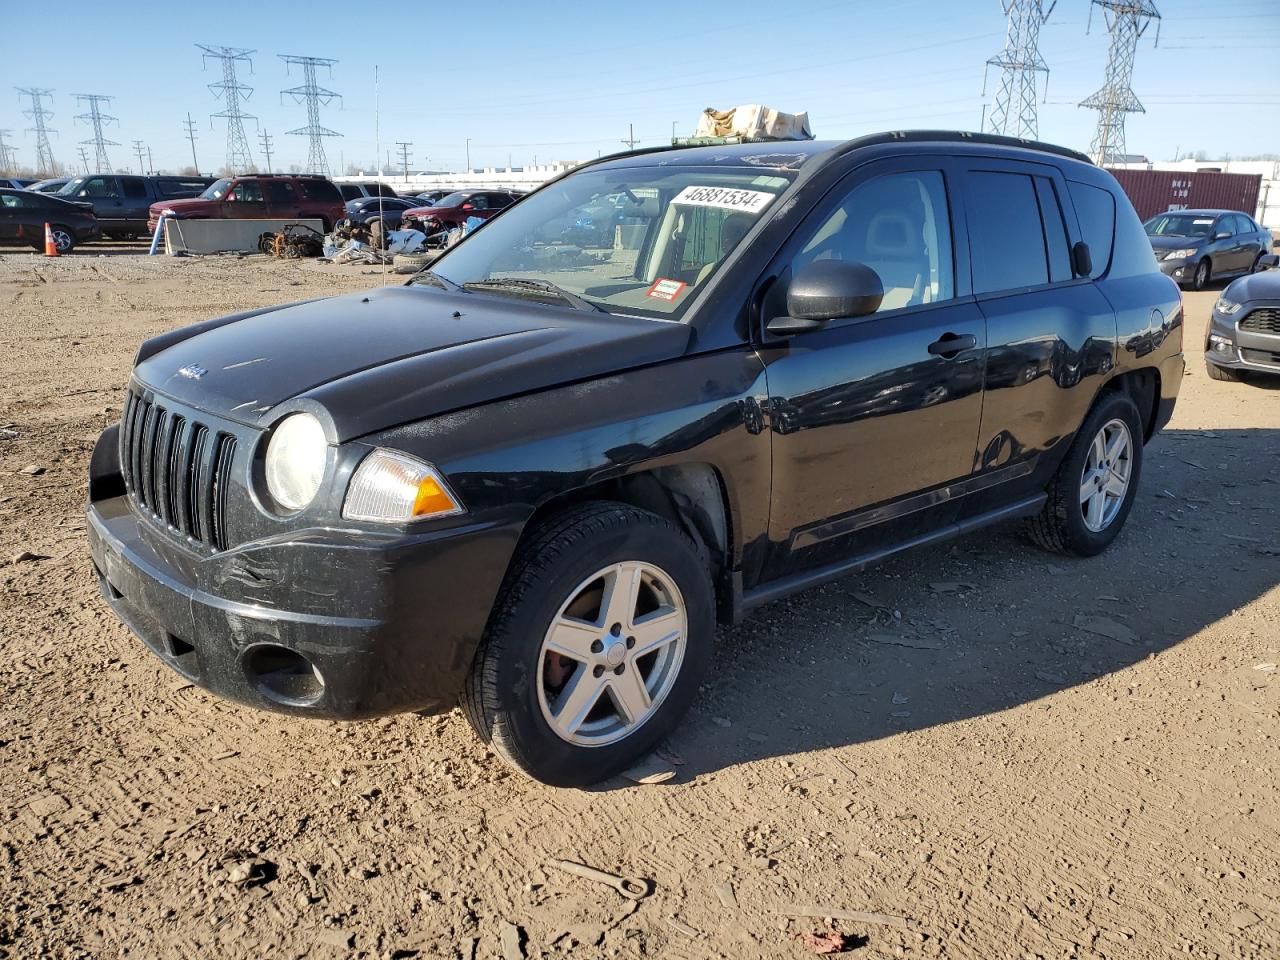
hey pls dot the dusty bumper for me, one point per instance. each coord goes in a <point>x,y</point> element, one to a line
<point>369,629</point>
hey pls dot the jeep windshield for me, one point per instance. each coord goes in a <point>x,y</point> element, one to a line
<point>635,240</point>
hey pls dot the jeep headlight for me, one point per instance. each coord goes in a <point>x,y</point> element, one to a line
<point>1228,308</point>
<point>295,460</point>
<point>1180,254</point>
<point>393,487</point>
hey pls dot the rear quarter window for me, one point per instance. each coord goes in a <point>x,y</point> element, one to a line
<point>1131,254</point>
<point>1096,211</point>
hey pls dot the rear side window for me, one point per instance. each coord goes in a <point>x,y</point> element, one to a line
<point>279,191</point>
<point>1006,237</point>
<point>350,191</point>
<point>1096,211</point>
<point>1131,253</point>
<point>135,188</point>
<point>319,190</point>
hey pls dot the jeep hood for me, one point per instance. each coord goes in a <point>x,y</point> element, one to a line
<point>394,355</point>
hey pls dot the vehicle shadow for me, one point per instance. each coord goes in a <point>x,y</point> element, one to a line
<point>991,622</point>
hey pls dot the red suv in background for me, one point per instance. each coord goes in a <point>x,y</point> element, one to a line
<point>259,196</point>
<point>453,210</point>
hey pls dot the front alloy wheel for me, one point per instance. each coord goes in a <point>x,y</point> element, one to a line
<point>612,654</point>
<point>595,646</point>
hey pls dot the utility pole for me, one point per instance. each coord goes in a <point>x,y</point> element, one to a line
<point>1127,21</point>
<point>38,115</point>
<point>673,131</point>
<point>151,167</point>
<point>404,146</point>
<point>140,149</point>
<point>96,119</point>
<point>7,162</point>
<point>231,91</point>
<point>84,158</point>
<point>191,135</point>
<point>266,146</point>
<point>315,97</point>
<point>1014,113</point>
<point>468,154</point>
<point>631,140</point>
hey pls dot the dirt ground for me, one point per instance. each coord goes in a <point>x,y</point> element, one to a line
<point>1010,782</point>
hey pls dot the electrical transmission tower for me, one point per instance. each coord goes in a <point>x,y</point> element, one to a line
<point>1014,112</point>
<point>84,158</point>
<point>315,97</point>
<point>38,115</point>
<point>7,162</point>
<point>1127,21</point>
<point>231,91</point>
<point>404,146</point>
<point>96,118</point>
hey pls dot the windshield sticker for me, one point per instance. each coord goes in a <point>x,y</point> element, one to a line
<point>664,289</point>
<point>1200,222</point>
<point>730,198</point>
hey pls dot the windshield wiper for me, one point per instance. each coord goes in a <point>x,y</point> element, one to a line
<point>524,287</point>
<point>428,276</point>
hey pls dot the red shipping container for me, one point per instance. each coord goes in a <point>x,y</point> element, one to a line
<point>1155,191</point>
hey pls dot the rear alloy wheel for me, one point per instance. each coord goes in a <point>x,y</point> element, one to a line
<point>596,644</point>
<point>1200,279</point>
<point>1090,496</point>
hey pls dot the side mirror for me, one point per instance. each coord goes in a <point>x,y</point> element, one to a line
<point>1081,259</point>
<point>1268,261</point>
<point>1221,235</point>
<point>467,206</point>
<point>828,290</point>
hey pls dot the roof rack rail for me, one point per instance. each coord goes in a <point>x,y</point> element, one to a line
<point>961,136</point>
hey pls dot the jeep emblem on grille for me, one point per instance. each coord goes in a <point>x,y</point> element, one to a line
<point>192,371</point>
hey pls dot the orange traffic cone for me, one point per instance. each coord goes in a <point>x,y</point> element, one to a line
<point>50,248</point>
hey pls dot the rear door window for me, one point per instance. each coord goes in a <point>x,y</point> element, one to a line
<point>1006,235</point>
<point>1096,211</point>
<point>350,191</point>
<point>319,190</point>
<point>135,188</point>
<point>279,192</point>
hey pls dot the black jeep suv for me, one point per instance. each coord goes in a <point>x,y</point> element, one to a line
<point>532,479</point>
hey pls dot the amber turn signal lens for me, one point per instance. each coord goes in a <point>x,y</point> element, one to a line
<point>433,499</point>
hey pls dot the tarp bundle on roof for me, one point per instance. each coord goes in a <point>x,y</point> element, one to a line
<point>754,122</point>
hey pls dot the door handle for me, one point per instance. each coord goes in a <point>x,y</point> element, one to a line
<point>951,344</point>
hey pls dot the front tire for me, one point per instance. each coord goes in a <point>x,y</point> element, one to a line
<point>1093,491</point>
<point>63,238</point>
<point>1204,273</point>
<point>596,644</point>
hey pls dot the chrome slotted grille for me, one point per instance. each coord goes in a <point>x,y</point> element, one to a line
<point>1266,320</point>
<point>177,470</point>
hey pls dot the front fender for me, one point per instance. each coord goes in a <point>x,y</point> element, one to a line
<point>510,457</point>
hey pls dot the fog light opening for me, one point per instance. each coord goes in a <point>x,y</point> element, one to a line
<point>283,675</point>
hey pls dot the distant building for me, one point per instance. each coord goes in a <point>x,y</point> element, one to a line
<point>494,178</point>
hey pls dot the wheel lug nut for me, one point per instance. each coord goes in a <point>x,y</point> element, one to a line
<point>631,642</point>
<point>598,671</point>
<point>616,629</point>
<point>596,646</point>
<point>619,669</point>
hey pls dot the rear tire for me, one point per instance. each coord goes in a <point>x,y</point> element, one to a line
<point>604,583</point>
<point>1072,524</point>
<point>1221,373</point>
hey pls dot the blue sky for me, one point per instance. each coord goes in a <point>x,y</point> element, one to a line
<point>563,81</point>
